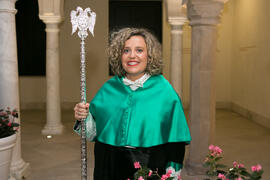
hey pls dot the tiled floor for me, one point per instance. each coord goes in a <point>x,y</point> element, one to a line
<point>58,158</point>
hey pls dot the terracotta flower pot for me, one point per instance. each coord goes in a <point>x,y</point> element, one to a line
<point>6,148</point>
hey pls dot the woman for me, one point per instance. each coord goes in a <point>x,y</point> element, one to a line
<point>139,116</point>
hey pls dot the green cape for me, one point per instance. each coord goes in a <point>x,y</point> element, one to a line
<point>149,116</point>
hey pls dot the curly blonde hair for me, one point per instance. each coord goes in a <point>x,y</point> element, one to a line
<point>116,47</point>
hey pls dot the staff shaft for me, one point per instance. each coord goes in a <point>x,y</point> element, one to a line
<point>83,128</point>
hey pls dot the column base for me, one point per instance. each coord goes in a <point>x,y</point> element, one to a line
<point>186,176</point>
<point>194,169</point>
<point>19,170</point>
<point>53,130</point>
<point>11,178</point>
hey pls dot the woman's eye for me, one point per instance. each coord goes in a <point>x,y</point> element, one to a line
<point>139,50</point>
<point>126,51</point>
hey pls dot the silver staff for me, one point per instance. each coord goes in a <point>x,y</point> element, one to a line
<point>84,20</point>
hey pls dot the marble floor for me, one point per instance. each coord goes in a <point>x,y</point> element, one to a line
<point>58,158</point>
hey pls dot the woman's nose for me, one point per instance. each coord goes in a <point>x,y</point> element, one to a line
<point>132,54</point>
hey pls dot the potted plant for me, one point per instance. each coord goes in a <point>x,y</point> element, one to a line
<point>8,129</point>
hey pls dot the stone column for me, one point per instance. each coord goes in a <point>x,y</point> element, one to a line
<point>176,54</point>
<point>176,16</point>
<point>53,124</point>
<point>204,16</point>
<point>9,88</point>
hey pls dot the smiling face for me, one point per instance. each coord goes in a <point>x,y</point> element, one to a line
<point>134,57</point>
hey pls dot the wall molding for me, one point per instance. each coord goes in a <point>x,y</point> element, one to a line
<point>251,115</point>
<point>257,118</point>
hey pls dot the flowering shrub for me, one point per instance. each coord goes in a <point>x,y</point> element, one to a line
<point>7,125</point>
<point>236,172</point>
<point>144,173</point>
<point>215,170</point>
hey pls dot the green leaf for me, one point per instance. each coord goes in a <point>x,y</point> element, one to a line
<point>245,173</point>
<point>206,164</point>
<point>221,166</point>
<point>218,158</point>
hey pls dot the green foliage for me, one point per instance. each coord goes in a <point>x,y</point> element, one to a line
<point>142,172</point>
<point>218,171</point>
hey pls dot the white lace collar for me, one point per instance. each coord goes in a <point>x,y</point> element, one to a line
<point>137,83</point>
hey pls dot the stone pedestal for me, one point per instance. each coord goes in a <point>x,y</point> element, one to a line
<point>53,124</point>
<point>9,88</point>
<point>204,15</point>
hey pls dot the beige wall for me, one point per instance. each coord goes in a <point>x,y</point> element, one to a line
<point>224,56</point>
<point>251,56</point>
<point>32,92</point>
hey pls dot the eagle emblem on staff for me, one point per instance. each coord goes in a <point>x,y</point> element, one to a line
<point>83,20</point>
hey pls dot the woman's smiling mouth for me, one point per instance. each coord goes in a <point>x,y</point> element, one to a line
<point>132,63</point>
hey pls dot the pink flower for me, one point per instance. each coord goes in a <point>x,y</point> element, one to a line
<point>235,164</point>
<point>150,172</point>
<point>221,176</point>
<point>211,147</point>
<point>218,150</point>
<point>257,168</point>
<point>164,176</point>
<point>140,178</point>
<point>179,177</point>
<point>169,173</point>
<point>137,165</point>
<point>9,124</point>
<point>128,179</point>
<point>215,150</point>
<point>239,178</point>
<point>241,166</point>
<point>253,168</point>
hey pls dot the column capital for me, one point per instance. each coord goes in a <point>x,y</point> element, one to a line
<point>175,12</point>
<point>175,21</point>
<point>8,1</point>
<point>51,11</point>
<point>205,12</point>
<point>8,6</point>
<point>48,18</point>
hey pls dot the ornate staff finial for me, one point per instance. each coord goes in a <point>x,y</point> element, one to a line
<point>83,19</point>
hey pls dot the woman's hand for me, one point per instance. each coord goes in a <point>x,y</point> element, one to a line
<point>81,111</point>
